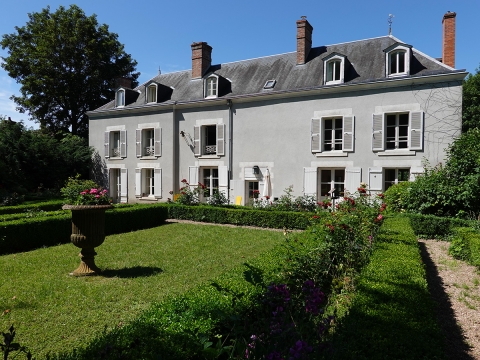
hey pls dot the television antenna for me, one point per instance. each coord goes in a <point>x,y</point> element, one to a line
<point>390,21</point>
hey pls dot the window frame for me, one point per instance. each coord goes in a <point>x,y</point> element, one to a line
<point>122,144</point>
<point>148,179</point>
<point>149,89</point>
<point>199,137</point>
<point>395,180</point>
<point>141,137</point>
<point>318,140</point>
<point>335,60</point>
<point>211,92</point>
<point>120,101</point>
<point>393,52</point>
<point>333,182</point>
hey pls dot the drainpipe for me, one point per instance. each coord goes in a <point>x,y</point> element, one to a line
<point>230,140</point>
<point>176,150</point>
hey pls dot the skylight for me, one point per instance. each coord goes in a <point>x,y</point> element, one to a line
<point>270,84</point>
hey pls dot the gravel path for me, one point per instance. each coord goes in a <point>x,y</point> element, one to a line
<point>455,287</point>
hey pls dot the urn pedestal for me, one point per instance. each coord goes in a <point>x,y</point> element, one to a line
<point>88,232</point>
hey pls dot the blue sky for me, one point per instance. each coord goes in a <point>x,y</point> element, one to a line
<point>159,33</point>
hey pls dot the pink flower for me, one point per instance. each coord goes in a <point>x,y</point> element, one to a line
<point>93,191</point>
<point>83,193</point>
<point>97,196</point>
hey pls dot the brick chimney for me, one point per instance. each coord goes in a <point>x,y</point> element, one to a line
<point>448,48</point>
<point>201,59</point>
<point>304,40</point>
<point>123,82</point>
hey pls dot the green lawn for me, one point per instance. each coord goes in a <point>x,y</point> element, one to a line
<point>54,312</point>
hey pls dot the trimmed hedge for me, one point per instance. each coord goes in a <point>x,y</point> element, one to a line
<point>247,217</point>
<point>45,206</point>
<point>31,233</point>
<point>431,226</point>
<point>465,246</point>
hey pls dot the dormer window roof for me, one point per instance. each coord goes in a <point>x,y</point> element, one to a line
<point>334,69</point>
<point>397,60</point>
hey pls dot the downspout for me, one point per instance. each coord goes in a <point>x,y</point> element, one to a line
<point>230,140</point>
<point>176,150</point>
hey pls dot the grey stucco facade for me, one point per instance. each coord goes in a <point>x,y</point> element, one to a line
<point>387,125</point>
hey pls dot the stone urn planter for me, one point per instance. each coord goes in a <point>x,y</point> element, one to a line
<point>88,232</point>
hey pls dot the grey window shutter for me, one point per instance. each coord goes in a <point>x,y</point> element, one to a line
<point>157,133</point>
<point>415,172</point>
<point>220,139</point>
<point>353,178</point>
<point>157,183</point>
<point>138,142</point>
<point>197,140</point>
<point>310,181</point>
<point>193,175</point>
<point>316,133</point>
<point>375,179</point>
<point>223,179</point>
<point>107,144</point>
<point>416,131</point>
<point>378,140</point>
<point>123,143</point>
<point>348,133</point>
<point>138,182</point>
<point>123,186</point>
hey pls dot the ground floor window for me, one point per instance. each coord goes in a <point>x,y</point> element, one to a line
<point>210,180</point>
<point>252,190</point>
<point>395,176</point>
<point>332,179</point>
<point>148,188</point>
<point>115,185</point>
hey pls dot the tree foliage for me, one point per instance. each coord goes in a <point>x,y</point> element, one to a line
<point>31,160</point>
<point>471,102</point>
<point>66,64</point>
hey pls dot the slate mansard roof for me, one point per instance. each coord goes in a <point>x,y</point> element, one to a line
<point>365,63</point>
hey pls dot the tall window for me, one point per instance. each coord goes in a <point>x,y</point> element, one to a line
<point>115,184</point>
<point>151,94</point>
<point>211,87</point>
<point>332,179</point>
<point>395,176</point>
<point>252,189</point>
<point>148,142</point>
<point>120,98</point>
<point>210,180</point>
<point>210,140</point>
<point>115,144</point>
<point>397,131</point>
<point>333,70</point>
<point>149,181</point>
<point>397,62</point>
<point>333,134</point>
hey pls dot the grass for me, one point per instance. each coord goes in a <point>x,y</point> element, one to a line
<point>392,314</point>
<point>55,312</point>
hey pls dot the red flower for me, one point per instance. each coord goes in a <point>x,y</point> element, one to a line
<point>362,190</point>
<point>184,181</point>
<point>267,197</point>
<point>315,216</point>
<point>381,196</point>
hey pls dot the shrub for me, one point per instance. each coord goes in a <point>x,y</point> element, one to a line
<point>465,246</point>
<point>434,227</point>
<point>74,186</point>
<point>396,196</point>
<point>218,198</point>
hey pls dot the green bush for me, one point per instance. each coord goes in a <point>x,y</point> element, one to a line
<point>434,227</point>
<point>74,186</point>
<point>465,245</point>
<point>396,196</point>
<point>51,205</point>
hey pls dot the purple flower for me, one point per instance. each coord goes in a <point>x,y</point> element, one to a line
<point>300,348</point>
<point>275,356</point>
<point>314,297</point>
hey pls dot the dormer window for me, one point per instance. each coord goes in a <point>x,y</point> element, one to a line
<point>334,69</point>
<point>152,93</point>
<point>120,98</point>
<point>211,87</point>
<point>397,60</point>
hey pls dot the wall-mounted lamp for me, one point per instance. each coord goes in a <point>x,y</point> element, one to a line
<point>256,170</point>
<point>182,133</point>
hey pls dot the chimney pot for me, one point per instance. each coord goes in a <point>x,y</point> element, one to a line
<point>201,59</point>
<point>304,40</point>
<point>448,46</point>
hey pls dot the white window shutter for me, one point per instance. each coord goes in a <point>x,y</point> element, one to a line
<point>157,183</point>
<point>261,187</point>
<point>107,144</point>
<point>193,175</point>
<point>123,143</point>
<point>310,181</point>
<point>353,178</point>
<point>123,186</point>
<point>197,140</point>
<point>375,179</point>
<point>138,182</point>
<point>223,179</point>
<point>157,133</point>
<point>415,172</point>
<point>348,133</point>
<point>316,135</point>
<point>138,142</point>
<point>220,139</point>
<point>378,140</point>
<point>416,131</point>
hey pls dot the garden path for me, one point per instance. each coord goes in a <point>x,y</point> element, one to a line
<point>455,287</point>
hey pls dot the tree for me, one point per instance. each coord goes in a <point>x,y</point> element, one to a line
<point>471,102</point>
<point>66,64</point>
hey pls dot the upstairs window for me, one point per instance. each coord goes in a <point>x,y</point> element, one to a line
<point>333,134</point>
<point>116,144</point>
<point>148,142</point>
<point>397,131</point>
<point>152,93</point>
<point>209,140</point>
<point>211,87</point>
<point>120,98</point>
<point>397,60</point>
<point>334,69</point>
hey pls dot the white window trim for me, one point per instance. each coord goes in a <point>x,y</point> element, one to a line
<point>157,140</point>
<point>317,140</point>
<point>139,170</point>
<point>388,72</point>
<point>220,140</point>
<point>152,85</point>
<point>116,98</point>
<point>108,139</point>
<point>342,69</point>
<point>205,88</point>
